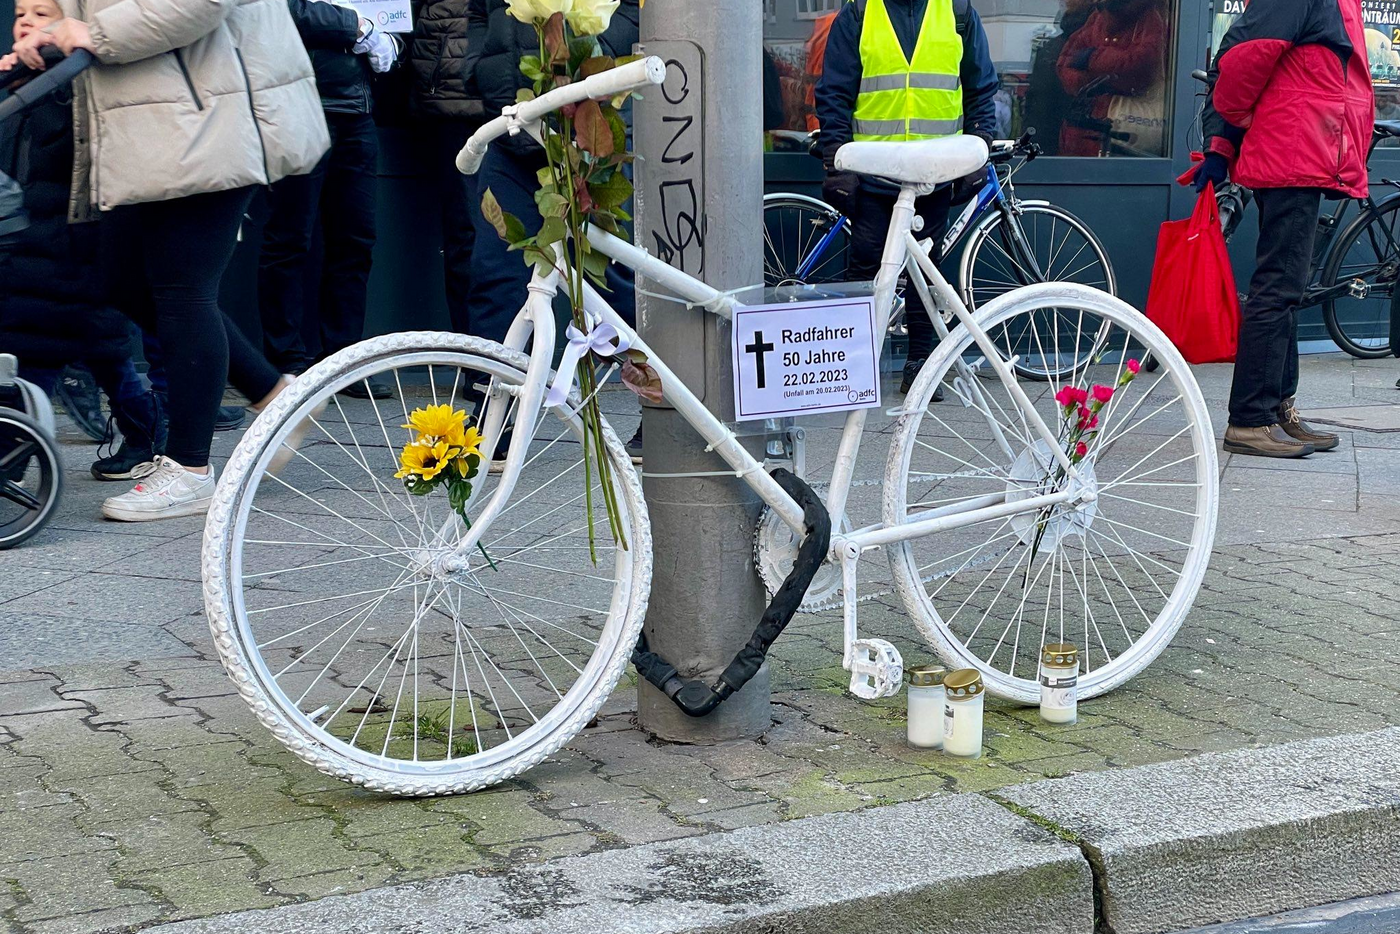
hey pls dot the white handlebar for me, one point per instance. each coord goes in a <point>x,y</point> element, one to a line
<point>623,79</point>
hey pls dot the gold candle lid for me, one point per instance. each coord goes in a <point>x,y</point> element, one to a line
<point>925,676</point>
<point>963,684</point>
<point>1060,655</point>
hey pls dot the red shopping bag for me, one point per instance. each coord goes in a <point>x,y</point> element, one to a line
<point>1192,297</point>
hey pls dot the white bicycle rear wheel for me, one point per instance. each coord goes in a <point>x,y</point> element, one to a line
<point>1114,575</point>
<point>335,611</point>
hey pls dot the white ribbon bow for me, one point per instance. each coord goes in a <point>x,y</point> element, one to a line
<point>599,340</point>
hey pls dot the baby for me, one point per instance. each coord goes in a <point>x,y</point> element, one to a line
<point>30,16</point>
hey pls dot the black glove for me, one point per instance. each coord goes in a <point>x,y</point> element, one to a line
<point>839,190</point>
<point>1213,169</point>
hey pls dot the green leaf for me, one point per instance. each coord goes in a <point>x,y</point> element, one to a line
<point>515,230</point>
<point>613,193</point>
<point>581,49</point>
<point>554,145</point>
<point>551,232</point>
<point>592,132</point>
<point>595,263</point>
<point>551,203</point>
<point>539,259</point>
<point>545,177</point>
<point>531,67</point>
<point>554,42</point>
<point>596,66</point>
<point>605,221</point>
<point>619,129</point>
<point>628,59</point>
<point>523,95</point>
<point>491,210</point>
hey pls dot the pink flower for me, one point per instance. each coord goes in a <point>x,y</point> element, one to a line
<point>1080,450</point>
<point>1102,394</point>
<point>1071,396</point>
<point>1134,366</point>
<point>1088,421</point>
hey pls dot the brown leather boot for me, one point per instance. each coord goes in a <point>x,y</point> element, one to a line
<point>1299,430</point>
<point>1265,441</point>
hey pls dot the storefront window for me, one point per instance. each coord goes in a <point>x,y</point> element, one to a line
<point>1092,76</point>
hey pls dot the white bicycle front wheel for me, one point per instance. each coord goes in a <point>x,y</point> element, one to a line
<point>1113,572</point>
<point>337,607</point>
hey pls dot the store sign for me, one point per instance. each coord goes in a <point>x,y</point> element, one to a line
<point>801,358</point>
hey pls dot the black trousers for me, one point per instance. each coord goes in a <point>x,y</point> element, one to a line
<point>455,191</point>
<point>1266,365</point>
<point>339,194</point>
<point>500,278</point>
<point>869,226</point>
<point>162,263</point>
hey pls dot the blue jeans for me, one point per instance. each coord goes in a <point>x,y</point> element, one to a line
<point>500,278</point>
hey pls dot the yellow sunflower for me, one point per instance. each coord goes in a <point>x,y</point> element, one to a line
<point>468,438</point>
<point>436,421</point>
<point>423,460</point>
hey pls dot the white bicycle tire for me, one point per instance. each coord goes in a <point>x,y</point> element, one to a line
<point>222,553</point>
<point>904,567</point>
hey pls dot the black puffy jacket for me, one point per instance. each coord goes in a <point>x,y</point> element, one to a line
<point>436,56</point>
<point>496,43</point>
<point>329,33</point>
<point>52,308</point>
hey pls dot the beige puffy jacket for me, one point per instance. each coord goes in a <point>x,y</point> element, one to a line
<point>190,96</point>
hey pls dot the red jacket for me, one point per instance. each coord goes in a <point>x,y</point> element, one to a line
<point>1291,100</point>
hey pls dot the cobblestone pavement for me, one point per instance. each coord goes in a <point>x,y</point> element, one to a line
<point>138,788</point>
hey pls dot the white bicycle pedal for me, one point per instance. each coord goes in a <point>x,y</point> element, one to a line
<point>877,670</point>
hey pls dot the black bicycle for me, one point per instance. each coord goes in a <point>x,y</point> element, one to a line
<point>1355,263</point>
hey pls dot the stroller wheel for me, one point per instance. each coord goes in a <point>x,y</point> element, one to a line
<point>31,477</point>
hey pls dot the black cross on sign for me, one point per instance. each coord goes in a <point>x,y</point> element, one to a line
<point>759,348</point>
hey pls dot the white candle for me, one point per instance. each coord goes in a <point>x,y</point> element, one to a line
<point>925,693</point>
<point>1059,683</point>
<point>962,713</point>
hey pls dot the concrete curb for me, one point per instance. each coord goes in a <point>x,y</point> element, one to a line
<point>957,863</point>
<point>1233,835</point>
<point>1156,848</point>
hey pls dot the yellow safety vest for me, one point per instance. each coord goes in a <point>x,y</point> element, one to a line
<point>901,99</point>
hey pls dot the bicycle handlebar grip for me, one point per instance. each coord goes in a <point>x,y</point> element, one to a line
<point>623,79</point>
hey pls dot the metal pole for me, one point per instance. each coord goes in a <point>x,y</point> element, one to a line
<point>699,207</point>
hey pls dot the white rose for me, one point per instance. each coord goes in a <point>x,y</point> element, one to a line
<point>591,17</point>
<point>528,11</point>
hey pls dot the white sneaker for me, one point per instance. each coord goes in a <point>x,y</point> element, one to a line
<point>168,492</point>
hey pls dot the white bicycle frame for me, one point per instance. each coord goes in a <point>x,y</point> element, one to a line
<point>902,252</point>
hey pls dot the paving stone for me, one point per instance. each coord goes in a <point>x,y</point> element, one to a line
<point>422,850</point>
<point>336,882</point>
<point>128,917</point>
<point>162,841</point>
<point>27,697</point>
<point>209,888</point>
<point>504,817</point>
<point>70,884</point>
<point>120,705</point>
<point>300,848</point>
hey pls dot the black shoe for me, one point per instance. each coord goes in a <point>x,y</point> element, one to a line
<point>77,390</point>
<point>376,389</point>
<point>229,417</point>
<point>129,463</point>
<point>911,373</point>
<point>634,447</point>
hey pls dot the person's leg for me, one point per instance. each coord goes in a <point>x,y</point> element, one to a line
<point>1287,224</point>
<point>189,242</point>
<point>458,234</point>
<point>500,278</point>
<point>250,372</point>
<point>347,226</point>
<point>286,246</point>
<point>933,209</point>
<point>138,417</point>
<point>1266,361</point>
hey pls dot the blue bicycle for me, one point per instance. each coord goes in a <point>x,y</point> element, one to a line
<point>999,241</point>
